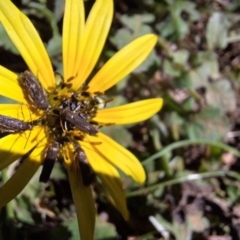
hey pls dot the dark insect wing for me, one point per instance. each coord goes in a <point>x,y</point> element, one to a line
<point>87,174</point>
<point>34,90</point>
<point>77,121</point>
<point>9,124</point>
<point>49,161</point>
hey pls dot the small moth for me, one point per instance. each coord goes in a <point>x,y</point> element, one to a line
<point>77,121</point>
<point>88,175</point>
<point>34,90</point>
<point>12,125</point>
<point>50,159</point>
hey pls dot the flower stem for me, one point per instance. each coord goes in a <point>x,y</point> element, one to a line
<point>184,143</point>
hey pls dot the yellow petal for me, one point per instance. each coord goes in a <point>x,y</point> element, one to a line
<point>14,146</point>
<point>118,156</point>
<point>82,197</point>
<point>122,63</point>
<point>130,113</point>
<point>94,38</point>
<point>26,39</point>
<point>72,36</point>
<point>9,86</point>
<point>19,111</point>
<point>110,178</point>
<point>21,178</point>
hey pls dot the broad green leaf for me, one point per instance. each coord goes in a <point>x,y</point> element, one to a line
<point>210,124</point>
<point>175,27</point>
<point>6,42</point>
<point>105,230</point>
<point>120,134</point>
<point>217,31</point>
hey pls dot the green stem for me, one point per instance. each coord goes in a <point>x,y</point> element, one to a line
<point>190,177</point>
<point>184,143</point>
<point>47,14</point>
<point>233,39</point>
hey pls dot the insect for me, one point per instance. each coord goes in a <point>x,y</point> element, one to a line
<point>12,125</point>
<point>76,120</point>
<point>34,90</point>
<point>50,159</point>
<point>88,175</point>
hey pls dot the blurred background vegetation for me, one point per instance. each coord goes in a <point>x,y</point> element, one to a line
<point>190,149</point>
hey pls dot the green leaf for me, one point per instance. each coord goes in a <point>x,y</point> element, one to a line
<point>220,94</point>
<point>24,211</point>
<point>58,9</point>
<point>209,124</point>
<point>180,57</point>
<point>72,226</point>
<point>6,42</point>
<point>105,230</point>
<point>119,133</point>
<point>217,31</point>
<point>54,46</point>
<point>122,37</point>
<point>137,20</point>
<point>134,26</point>
<point>176,64</point>
<point>174,27</point>
<point>169,69</point>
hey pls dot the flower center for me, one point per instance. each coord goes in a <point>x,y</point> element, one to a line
<point>69,113</point>
<point>70,116</point>
<point>67,118</point>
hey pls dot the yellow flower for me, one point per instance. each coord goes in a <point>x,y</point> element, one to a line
<point>82,45</point>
